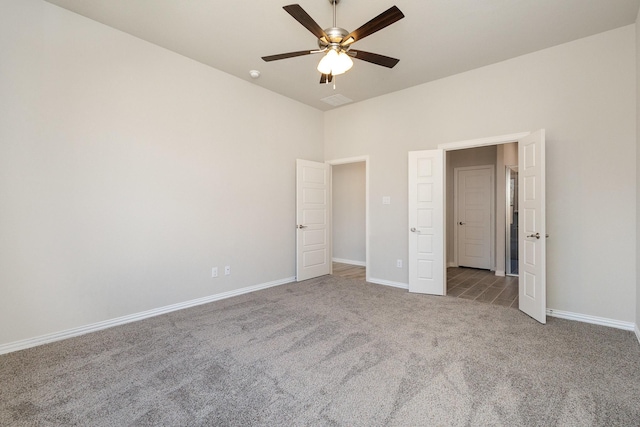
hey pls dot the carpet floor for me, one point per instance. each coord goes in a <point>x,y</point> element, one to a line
<point>330,351</point>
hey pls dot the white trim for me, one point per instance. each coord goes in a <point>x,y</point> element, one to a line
<point>637,331</point>
<point>451,264</point>
<point>348,160</point>
<point>602,321</point>
<point>500,273</point>
<point>350,262</point>
<point>359,159</point>
<point>94,327</point>
<point>481,142</point>
<point>388,283</point>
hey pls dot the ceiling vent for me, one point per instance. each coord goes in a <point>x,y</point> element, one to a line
<point>336,100</point>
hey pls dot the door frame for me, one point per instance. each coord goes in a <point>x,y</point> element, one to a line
<point>358,159</point>
<point>492,217</point>
<point>483,142</point>
<point>498,140</point>
<point>475,143</point>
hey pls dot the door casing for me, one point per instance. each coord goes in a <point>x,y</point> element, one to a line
<point>475,143</point>
<point>497,140</point>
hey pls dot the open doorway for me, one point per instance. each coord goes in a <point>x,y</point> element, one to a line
<point>349,217</point>
<point>494,280</point>
<point>428,223</point>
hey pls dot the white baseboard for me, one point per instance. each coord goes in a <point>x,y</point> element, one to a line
<point>637,332</point>
<point>349,261</point>
<point>602,321</point>
<point>388,283</point>
<point>452,264</point>
<point>74,332</point>
<point>500,273</point>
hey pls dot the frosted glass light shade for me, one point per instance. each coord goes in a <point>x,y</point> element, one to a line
<point>326,63</point>
<point>335,63</point>
<point>343,64</point>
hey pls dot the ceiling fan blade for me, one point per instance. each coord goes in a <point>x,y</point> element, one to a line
<point>374,58</point>
<point>326,78</point>
<point>307,21</point>
<point>286,55</point>
<point>381,21</point>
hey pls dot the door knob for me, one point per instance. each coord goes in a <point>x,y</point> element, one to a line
<point>537,235</point>
<point>301,226</point>
<point>462,223</point>
<point>414,230</point>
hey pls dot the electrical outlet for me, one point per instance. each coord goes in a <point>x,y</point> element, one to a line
<point>227,270</point>
<point>399,263</point>
<point>214,272</point>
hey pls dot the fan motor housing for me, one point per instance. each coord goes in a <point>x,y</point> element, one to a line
<point>335,34</point>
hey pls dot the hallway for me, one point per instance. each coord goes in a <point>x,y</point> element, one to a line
<point>483,286</point>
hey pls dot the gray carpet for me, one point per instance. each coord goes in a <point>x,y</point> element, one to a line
<point>330,351</point>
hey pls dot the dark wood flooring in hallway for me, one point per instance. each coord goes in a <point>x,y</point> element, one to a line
<point>468,283</point>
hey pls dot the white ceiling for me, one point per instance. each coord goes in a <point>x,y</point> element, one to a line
<point>437,38</point>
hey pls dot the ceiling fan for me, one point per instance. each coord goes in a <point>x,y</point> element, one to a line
<point>336,42</point>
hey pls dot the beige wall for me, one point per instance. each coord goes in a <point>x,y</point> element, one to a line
<point>580,92</point>
<point>349,217</point>
<point>127,172</point>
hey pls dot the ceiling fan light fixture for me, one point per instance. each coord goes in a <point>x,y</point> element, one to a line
<point>336,42</point>
<point>335,63</point>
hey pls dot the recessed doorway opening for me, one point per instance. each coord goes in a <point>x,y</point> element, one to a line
<point>428,225</point>
<point>350,213</point>
<point>477,213</point>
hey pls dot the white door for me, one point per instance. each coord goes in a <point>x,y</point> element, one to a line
<point>474,207</point>
<point>532,227</point>
<point>313,218</point>
<point>426,222</point>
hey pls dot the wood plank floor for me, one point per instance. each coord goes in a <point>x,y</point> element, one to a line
<point>349,271</point>
<point>468,283</point>
<point>483,286</point>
